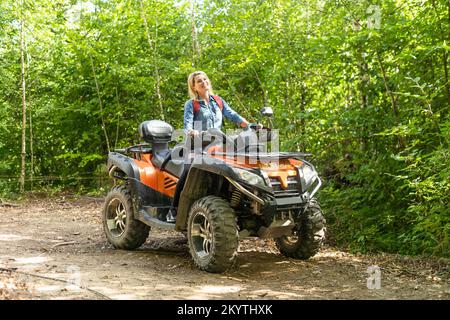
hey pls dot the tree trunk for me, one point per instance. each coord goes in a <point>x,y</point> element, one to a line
<point>30,107</point>
<point>100,103</point>
<point>118,118</point>
<point>155,57</point>
<point>301,145</point>
<point>263,91</point>
<point>445,57</point>
<point>445,36</point>
<point>31,150</point>
<point>24,102</point>
<point>363,84</point>
<point>392,98</point>
<point>386,86</point>
<point>195,46</point>
<point>445,63</point>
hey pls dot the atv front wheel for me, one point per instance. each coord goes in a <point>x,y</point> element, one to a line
<point>308,235</point>
<point>121,229</point>
<point>212,234</point>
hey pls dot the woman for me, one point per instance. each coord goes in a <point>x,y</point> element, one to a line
<point>205,110</point>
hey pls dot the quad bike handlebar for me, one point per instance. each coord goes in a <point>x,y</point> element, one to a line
<point>255,126</point>
<point>253,138</point>
<point>205,136</point>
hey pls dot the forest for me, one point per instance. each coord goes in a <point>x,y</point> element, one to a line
<point>362,85</point>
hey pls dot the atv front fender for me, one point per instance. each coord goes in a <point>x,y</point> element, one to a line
<point>203,179</point>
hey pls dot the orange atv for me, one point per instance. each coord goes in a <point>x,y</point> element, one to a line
<point>214,195</point>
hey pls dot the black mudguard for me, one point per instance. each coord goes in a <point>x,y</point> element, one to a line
<point>124,163</point>
<point>196,185</point>
<point>142,194</point>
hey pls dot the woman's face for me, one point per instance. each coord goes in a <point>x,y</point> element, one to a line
<point>201,84</point>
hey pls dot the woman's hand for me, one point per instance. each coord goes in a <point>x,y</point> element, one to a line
<point>247,125</point>
<point>193,133</point>
<point>254,126</point>
<point>244,124</point>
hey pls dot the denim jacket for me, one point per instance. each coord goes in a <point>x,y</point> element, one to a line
<point>209,115</point>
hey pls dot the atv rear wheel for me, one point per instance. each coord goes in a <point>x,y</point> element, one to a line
<point>121,229</point>
<point>308,235</point>
<point>212,234</point>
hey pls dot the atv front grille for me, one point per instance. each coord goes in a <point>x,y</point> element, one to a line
<point>291,191</point>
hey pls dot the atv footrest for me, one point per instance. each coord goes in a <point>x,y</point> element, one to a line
<point>146,218</point>
<point>159,212</point>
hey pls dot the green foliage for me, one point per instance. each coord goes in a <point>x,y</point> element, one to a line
<point>363,85</point>
<point>406,212</point>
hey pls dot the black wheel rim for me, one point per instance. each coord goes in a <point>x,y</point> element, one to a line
<point>201,235</point>
<point>292,239</point>
<point>116,217</point>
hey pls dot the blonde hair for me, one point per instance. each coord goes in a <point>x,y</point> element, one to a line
<point>191,83</point>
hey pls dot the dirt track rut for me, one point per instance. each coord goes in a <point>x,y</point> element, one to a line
<point>55,249</point>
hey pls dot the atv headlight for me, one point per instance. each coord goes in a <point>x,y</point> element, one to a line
<point>309,175</point>
<point>249,177</point>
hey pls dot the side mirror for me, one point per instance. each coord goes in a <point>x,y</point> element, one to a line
<point>267,112</point>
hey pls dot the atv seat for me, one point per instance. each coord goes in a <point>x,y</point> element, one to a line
<point>175,167</point>
<point>175,161</point>
<point>171,161</point>
<point>159,134</point>
<point>159,157</point>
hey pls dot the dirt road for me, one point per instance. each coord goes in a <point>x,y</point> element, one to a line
<point>55,249</point>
